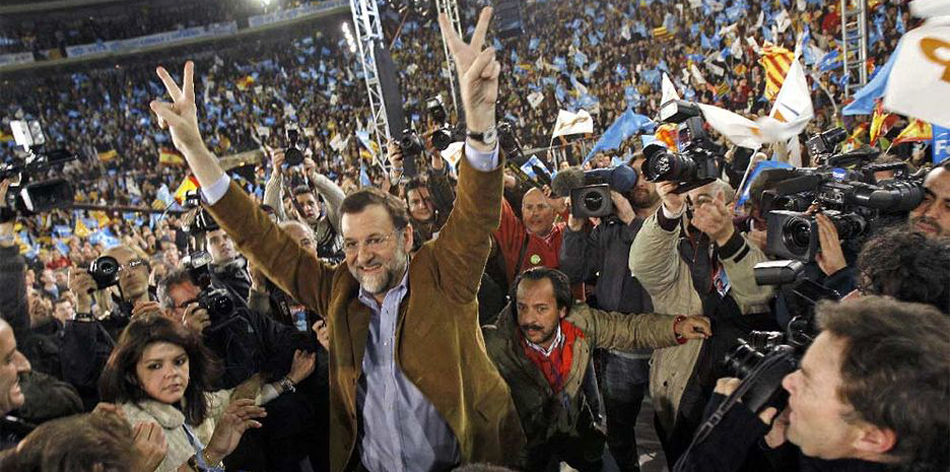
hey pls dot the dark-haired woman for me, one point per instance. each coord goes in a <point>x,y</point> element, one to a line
<point>160,373</point>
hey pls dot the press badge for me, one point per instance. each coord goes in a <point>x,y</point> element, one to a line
<point>721,282</point>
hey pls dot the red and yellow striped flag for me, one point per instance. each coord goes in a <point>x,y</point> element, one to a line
<point>776,61</point>
<point>661,33</point>
<point>916,131</point>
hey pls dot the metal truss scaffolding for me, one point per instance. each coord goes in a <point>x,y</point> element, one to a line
<point>854,43</point>
<point>369,34</point>
<point>450,8</point>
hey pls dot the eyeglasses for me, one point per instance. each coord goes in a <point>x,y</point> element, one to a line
<point>132,264</point>
<point>373,243</point>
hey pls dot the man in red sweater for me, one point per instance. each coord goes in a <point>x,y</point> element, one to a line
<point>535,239</point>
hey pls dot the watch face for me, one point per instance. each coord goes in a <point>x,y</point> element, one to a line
<point>491,134</point>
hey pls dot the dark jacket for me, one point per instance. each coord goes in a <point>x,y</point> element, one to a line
<point>253,343</point>
<point>438,344</point>
<point>13,305</point>
<point>737,434</point>
<point>602,253</point>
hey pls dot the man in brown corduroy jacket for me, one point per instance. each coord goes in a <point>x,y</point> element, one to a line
<point>411,387</point>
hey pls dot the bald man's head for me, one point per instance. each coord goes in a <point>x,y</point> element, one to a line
<point>302,234</point>
<point>133,272</point>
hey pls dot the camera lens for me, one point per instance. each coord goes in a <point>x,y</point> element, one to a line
<point>441,139</point>
<point>593,202</point>
<point>849,225</point>
<point>669,167</point>
<point>797,235</point>
<point>293,156</point>
<point>743,359</point>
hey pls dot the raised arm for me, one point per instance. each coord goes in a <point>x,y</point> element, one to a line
<point>464,243</point>
<point>283,260</point>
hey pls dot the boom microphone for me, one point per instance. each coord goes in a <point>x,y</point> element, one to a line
<point>567,180</point>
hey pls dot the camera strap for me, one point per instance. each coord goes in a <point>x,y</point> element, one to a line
<point>524,249</point>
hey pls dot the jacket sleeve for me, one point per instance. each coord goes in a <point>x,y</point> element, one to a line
<point>654,259</point>
<point>581,256</point>
<point>273,191</point>
<point>738,257</point>
<point>333,196</point>
<point>443,194</point>
<point>624,332</point>
<point>295,270</point>
<point>464,243</point>
<point>13,305</point>
<point>728,444</point>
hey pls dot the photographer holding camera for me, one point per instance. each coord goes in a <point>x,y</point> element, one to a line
<point>869,394</point>
<point>88,339</point>
<point>248,343</point>
<point>601,252</point>
<point>315,197</point>
<point>691,259</point>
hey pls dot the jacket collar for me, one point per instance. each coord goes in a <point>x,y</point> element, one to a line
<point>166,415</point>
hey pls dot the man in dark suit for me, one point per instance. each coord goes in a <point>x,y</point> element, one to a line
<point>411,385</point>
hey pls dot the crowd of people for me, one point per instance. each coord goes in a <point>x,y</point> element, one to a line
<point>325,315</point>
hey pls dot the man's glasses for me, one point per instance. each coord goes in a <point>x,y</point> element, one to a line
<point>373,243</point>
<point>132,264</point>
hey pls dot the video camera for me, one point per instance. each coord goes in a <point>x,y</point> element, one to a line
<point>852,199</point>
<point>590,190</point>
<point>698,161</point>
<point>38,197</point>
<point>217,301</point>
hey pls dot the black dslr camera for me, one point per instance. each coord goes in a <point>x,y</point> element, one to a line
<point>105,271</point>
<point>292,154</point>
<point>217,301</point>
<point>697,163</point>
<point>444,136</point>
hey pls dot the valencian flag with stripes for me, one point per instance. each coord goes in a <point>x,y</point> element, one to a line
<point>776,61</point>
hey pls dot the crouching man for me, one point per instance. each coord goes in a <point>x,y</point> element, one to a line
<point>542,345</point>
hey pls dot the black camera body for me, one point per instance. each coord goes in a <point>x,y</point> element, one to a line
<point>590,190</point>
<point>698,161</point>
<point>217,301</point>
<point>822,145</point>
<point>796,233</point>
<point>32,198</point>
<point>852,199</point>
<point>292,154</point>
<point>105,271</point>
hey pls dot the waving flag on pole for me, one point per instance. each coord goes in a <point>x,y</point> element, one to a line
<point>573,123</point>
<point>916,131</point>
<point>190,183</point>
<point>793,108</point>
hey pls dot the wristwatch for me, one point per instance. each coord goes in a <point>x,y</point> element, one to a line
<point>489,136</point>
<point>287,385</point>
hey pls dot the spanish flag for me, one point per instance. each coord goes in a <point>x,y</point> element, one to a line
<point>881,122</point>
<point>855,139</point>
<point>190,183</point>
<point>776,61</point>
<point>916,131</point>
<point>108,156</point>
<point>5,136</point>
<point>170,157</point>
